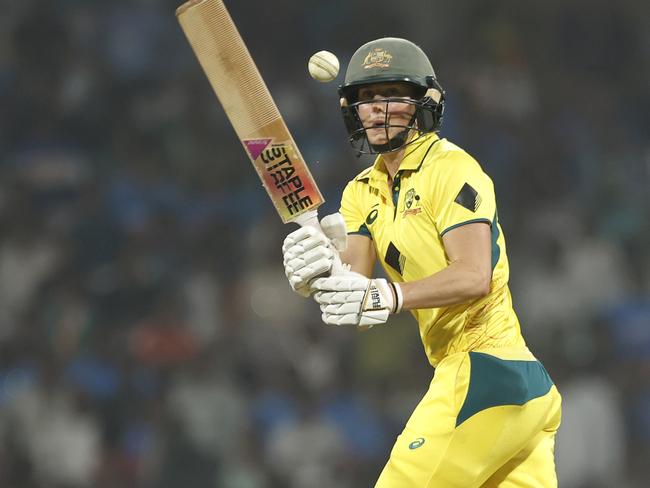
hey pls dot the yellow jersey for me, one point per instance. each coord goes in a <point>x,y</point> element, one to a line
<point>438,187</point>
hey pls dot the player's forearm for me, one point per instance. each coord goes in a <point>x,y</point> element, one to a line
<point>360,255</point>
<point>457,283</point>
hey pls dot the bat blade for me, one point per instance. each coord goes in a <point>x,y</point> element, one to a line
<point>235,79</point>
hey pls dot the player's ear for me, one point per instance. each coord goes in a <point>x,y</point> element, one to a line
<point>343,101</point>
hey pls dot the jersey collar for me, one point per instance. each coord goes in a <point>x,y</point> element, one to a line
<point>413,159</point>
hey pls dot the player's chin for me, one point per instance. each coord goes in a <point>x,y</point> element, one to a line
<point>381,136</point>
<point>377,136</point>
<point>379,131</point>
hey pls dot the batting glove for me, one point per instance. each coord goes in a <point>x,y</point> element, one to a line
<point>309,253</point>
<point>353,299</point>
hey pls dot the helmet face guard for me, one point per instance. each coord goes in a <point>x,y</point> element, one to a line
<point>427,118</point>
<point>390,60</point>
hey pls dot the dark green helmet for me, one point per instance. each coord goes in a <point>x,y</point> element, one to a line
<point>391,59</point>
<point>387,59</point>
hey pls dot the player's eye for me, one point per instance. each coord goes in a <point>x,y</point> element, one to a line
<point>400,91</point>
<point>366,95</point>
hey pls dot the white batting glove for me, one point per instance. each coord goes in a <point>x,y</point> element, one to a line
<point>309,253</point>
<point>353,299</point>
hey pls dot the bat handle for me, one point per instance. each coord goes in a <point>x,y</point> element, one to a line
<point>310,218</point>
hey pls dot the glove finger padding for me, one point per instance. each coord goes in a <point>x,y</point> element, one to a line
<point>374,317</point>
<point>353,299</point>
<point>294,261</point>
<point>304,275</point>
<point>350,281</point>
<point>300,271</point>
<point>340,308</point>
<point>347,319</point>
<point>303,240</point>
<point>306,255</point>
<point>338,297</point>
<point>309,253</point>
<point>369,318</point>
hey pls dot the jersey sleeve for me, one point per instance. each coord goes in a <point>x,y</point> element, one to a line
<point>462,194</point>
<point>351,209</point>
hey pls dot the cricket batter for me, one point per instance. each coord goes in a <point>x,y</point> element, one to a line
<point>427,211</point>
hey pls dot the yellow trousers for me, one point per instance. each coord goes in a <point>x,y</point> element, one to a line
<point>488,419</point>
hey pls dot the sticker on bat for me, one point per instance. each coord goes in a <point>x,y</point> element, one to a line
<point>284,174</point>
<point>256,146</point>
<point>279,165</point>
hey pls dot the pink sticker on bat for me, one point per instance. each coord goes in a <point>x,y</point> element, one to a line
<point>256,146</point>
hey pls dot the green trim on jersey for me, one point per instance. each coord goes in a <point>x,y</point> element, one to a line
<point>495,382</point>
<point>395,191</point>
<point>473,221</point>
<point>496,249</point>
<point>494,231</point>
<point>363,231</point>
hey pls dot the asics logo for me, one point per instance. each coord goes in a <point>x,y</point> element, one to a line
<point>372,216</point>
<point>416,443</point>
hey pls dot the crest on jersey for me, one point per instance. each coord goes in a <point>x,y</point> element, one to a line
<point>377,58</point>
<point>411,203</point>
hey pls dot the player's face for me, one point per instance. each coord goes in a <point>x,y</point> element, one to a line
<point>383,120</point>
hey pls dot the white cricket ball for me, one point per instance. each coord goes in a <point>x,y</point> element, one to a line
<point>323,66</point>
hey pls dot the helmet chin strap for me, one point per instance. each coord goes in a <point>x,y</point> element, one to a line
<point>395,142</point>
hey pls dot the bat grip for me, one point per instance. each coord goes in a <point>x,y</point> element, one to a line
<point>310,219</point>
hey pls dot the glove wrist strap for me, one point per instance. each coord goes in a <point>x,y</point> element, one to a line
<point>399,297</point>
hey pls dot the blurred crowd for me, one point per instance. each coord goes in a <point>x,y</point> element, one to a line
<point>148,337</point>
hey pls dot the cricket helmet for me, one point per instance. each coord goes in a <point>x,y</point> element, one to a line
<point>391,59</point>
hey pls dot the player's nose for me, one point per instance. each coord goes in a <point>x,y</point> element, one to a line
<point>378,103</point>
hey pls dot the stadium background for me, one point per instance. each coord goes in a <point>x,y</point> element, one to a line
<point>148,337</point>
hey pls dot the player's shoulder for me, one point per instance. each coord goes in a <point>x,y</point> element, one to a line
<point>358,182</point>
<point>360,188</point>
<point>448,156</point>
<point>447,150</point>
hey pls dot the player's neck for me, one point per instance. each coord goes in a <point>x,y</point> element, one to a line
<point>392,161</point>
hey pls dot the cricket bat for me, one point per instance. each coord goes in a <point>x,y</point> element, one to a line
<point>251,110</point>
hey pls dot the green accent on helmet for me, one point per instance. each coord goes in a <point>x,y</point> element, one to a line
<point>384,60</point>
